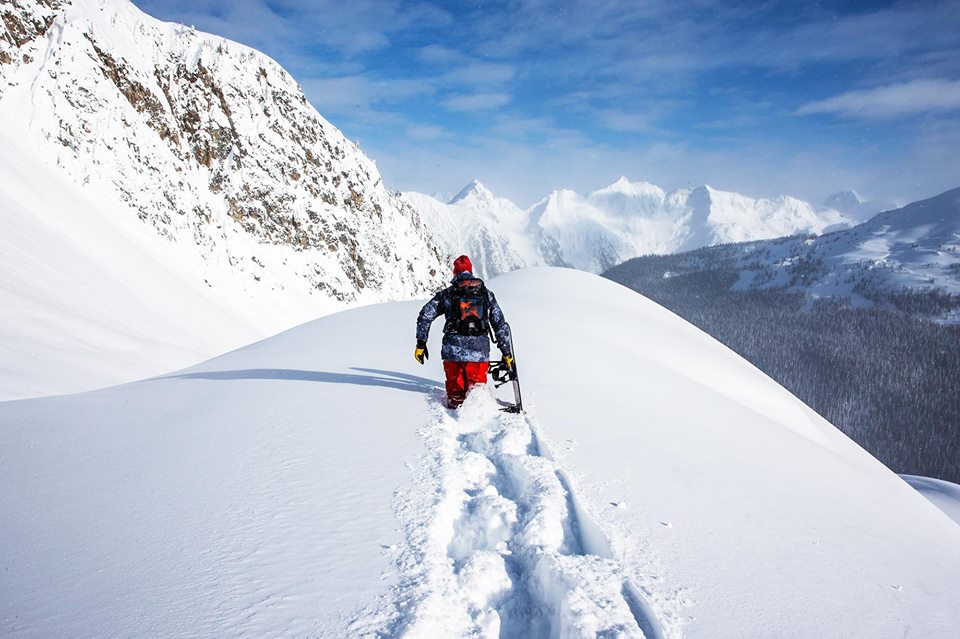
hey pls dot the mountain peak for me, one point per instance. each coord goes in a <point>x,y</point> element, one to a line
<point>623,186</point>
<point>473,191</point>
<point>844,199</point>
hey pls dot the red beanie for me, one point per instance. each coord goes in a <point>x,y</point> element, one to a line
<point>462,264</point>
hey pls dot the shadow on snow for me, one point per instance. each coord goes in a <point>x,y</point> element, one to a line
<point>377,377</point>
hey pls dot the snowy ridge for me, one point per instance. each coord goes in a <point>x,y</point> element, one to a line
<point>612,224</point>
<point>283,490</point>
<point>212,151</point>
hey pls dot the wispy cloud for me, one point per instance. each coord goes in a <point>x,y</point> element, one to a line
<point>359,90</point>
<point>425,132</point>
<point>479,74</point>
<point>892,101</point>
<point>477,101</point>
<point>440,54</point>
<point>625,121</point>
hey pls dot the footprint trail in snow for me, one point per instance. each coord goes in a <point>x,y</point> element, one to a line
<point>499,545</point>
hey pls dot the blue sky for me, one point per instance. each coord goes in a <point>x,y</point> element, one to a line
<point>529,96</point>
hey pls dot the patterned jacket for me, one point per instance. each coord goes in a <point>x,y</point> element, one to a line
<point>464,348</point>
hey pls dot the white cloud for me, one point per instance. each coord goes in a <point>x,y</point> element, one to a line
<point>618,120</point>
<point>348,92</point>
<point>479,74</point>
<point>424,132</point>
<point>439,54</point>
<point>477,102</point>
<point>892,101</point>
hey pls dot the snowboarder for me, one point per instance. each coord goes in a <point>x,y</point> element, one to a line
<point>470,310</point>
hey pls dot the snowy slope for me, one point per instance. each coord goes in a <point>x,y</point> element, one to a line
<point>613,224</point>
<point>130,135</point>
<point>944,495</point>
<point>310,485</point>
<point>907,257</point>
<point>89,300</point>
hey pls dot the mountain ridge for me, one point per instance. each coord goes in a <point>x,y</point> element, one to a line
<point>889,260</point>
<point>625,219</point>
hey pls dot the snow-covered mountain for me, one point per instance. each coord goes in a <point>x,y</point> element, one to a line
<point>907,257</point>
<point>491,230</point>
<point>672,490</point>
<point>173,184</point>
<point>613,224</point>
<point>852,205</point>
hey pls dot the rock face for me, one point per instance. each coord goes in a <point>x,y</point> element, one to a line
<point>213,145</point>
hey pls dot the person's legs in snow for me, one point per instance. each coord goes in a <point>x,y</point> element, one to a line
<point>476,373</point>
<point>456,383</point>
<point>461,377</point>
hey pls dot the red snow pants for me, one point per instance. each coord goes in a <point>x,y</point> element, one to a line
<point>461,377</point>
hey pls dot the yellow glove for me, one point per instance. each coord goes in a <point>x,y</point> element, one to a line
<point>508,360</point>
<point>421,353</point>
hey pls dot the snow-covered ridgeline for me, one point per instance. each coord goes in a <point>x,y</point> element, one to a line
<point>243,189</point>
<point>613,224</point>
<point>309,485</point>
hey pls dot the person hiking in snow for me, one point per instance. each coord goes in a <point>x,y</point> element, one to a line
<point>470,309</point>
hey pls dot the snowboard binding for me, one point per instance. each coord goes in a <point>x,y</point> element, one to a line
<point>502,374</point>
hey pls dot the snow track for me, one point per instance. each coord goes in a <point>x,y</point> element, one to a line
<point>499,544</point>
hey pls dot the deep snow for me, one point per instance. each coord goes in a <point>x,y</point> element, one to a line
<point>311,485</point>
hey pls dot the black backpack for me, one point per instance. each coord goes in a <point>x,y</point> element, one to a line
<point>468,312</point>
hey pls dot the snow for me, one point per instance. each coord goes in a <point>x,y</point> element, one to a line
<point>491,230</point>
<point>921,241</point>
<point>90,299</point>
<point>311,485</point>
<point>855,206</point>
<point>916,247</point>
<point>610,225</point>
<point>944,495</point>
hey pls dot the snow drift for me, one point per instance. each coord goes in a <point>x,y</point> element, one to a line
<point>310,484</point>
<point>944,495</point>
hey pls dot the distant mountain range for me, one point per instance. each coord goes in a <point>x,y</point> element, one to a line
<point>839,321</point>
<point>907,258</point>
<point>624,220</point>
